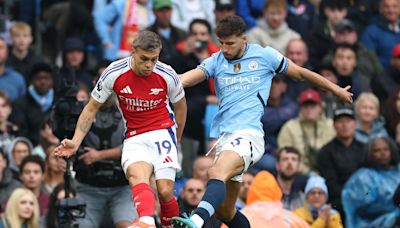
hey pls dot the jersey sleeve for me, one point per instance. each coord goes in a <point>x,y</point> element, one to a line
<point>208,66</point>
<point>175,88</point>
<point>104,86</point>
<point>278,62</point>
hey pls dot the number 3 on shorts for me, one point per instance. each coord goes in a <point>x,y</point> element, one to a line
<point>164,146</point>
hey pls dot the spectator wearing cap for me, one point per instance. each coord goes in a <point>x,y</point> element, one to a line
<point>280,108</point>
<point>21,56</point>
<point>340,157</point>
<point>345,64</point>
<point>272,29</point>
<point>12,83</point>
<point>383,34</point>
<point>320,40</point>
<point>309,131</point>
<point>316,212</point>
<point>389,81</point>
<point>30,110</point>
<point>74,65</point>
<point>367,61</point>
<point>170,34</point>
<point>370,124</point>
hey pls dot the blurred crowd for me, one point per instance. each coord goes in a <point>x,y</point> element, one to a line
<point>325,164</point>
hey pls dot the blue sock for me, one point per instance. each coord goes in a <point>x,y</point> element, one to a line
<point>238,221</point>
<point>212,198</point>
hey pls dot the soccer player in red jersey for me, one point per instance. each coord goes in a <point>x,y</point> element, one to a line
<point>143,87</point>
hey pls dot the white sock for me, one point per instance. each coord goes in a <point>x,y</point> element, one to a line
<point>148,220</point>
<point>197,220</point>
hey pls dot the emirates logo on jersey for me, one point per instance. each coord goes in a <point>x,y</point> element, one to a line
<point>136,104</point>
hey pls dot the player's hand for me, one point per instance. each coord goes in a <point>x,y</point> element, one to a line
<point>344,95</point>
<point>67,148</point>
<point>90,156</point>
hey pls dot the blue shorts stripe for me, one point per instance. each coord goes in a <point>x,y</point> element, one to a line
<point>172,134</point>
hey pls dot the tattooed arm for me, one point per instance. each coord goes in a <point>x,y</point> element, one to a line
<point>69,147</point>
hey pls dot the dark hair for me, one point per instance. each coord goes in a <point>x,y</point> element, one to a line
<point>392,116</point>
<point>4,155</point>
<point>147,40</point>
<point>6,99</point>
<point>333,4</point>
<point>394,152</point>
<point>200,21</point>
<point>32,159</point>
<point>287,149</point>
<point>230,25</point>
<point>345,46</point>
<point>51,216</point>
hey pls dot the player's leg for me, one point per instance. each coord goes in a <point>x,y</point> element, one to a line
<point>165,188</point>
<point>227,165</point>
<point>227,212</point>
<point>139,174</point>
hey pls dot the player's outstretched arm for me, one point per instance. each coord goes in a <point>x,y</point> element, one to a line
<point>192,77</point>
<point>68,147</point>
<point>301,73</point>
<point>180,110</point>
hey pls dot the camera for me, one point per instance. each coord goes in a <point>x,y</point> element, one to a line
<point>200,45</point>
<point>70,209</point>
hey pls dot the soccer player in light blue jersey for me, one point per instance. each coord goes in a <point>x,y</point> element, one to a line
<point>242,74</point>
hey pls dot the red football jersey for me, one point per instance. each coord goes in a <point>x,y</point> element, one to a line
<point>143,101</point>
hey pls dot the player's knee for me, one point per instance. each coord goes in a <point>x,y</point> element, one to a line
<point>215,173</point>
<point>165,194</point>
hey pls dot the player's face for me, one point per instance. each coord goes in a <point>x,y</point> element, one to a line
<point>144,61</point>
<point>233,46</point>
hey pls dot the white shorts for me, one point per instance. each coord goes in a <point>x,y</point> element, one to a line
<point>249,144</point>
<point>157,148</point>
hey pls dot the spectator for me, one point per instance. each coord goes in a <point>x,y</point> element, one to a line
<point>383,34</point>
<point>46,138</point>
<point>329,101</point>
<point>320,39</point>
<point>264,196</point>
<point>8,130</point>
<point>201,166</point>
<point>223,8</point>
<point>185,11</point>
<point>21,57</point>
<point>272,30</point>
<point>19,149</point>
<point>362,12</point>
<point>302,16</point>
<point>244,188</point>
<point>367,195</point>
<point>169,34</point>
<point>297,51</point>
<point>74,65</point>
<point>32,174</point>
<point>345,64</point>
<point>250,11</point>
<point>54,170</point>
<point>309,131</point>
<point>12,83</point>
<point>51,219</point>
<point>369,123</point>
<point>7,182</point>
<point>367,61</point>
<point>280,108</point>
<point>190,53</point>
<point>388,81</point>
<point>315,211</point>
<point>392,113</point>
<point>341,157</point>
<point>22,210</point>
<point>290,181</point>
<point>30,110</point>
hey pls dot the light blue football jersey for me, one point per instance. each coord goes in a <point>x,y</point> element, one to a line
<point>242,87</point>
